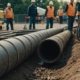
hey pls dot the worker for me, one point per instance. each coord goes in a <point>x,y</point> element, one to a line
<point>50,14</point>
<point>9,16</point>
<point>78,8</point>
<point>78,13</point>
<point>60,13</point>
<point>71,12</point>
<point>32,12</point>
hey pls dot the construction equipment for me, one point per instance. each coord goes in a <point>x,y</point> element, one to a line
<point>1,16</point>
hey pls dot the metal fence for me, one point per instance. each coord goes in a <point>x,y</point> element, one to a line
<point>19,18</point>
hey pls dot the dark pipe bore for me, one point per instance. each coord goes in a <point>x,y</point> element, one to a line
<point>49,51</point>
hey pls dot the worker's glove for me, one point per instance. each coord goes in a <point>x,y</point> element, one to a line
<point>38,18</point>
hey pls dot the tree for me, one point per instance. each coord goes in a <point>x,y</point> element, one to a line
<point>20,6</point>
<point>63,4</point>
<point>17,5</point>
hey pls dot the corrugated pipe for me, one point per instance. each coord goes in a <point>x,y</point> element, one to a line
<point>13,51</point>
<point>49,50</point>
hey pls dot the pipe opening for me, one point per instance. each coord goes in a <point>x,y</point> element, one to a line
<point>49,51</point>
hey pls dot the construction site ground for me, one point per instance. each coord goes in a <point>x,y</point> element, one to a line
<point>66,68</point>
<point>20,26</point>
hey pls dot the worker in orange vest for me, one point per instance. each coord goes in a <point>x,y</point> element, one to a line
<point>78,8</point>
<point>78,13</point>
<point>33,14</point>
<point>71,13</point>
<point>9,16</point>
<point>50,13</point>
<point>60,13</point>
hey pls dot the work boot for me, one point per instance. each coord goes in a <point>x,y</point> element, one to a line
<point>40,63</point>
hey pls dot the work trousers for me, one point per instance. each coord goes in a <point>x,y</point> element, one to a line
<point>70,22</point>
<point>61,19</point>
<point>9,21</point>
<point>49,20</point>
<point>32,21</point>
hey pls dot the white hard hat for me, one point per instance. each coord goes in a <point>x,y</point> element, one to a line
<point>51,3</point>
<point>60,7</point>
<point>33,1</point>
<point>8,4</point>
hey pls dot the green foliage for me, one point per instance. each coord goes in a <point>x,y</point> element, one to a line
<point>17,5</point>
<point>20,6</point>
<point>20,9</point>
<point>63,4</point>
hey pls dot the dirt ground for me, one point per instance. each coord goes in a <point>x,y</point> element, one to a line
<point>20,26</point>
<point>66,68</point>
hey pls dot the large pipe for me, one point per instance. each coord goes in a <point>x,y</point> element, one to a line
<point>49,50</point>
<point>7,36</point>
<point>15,50</point>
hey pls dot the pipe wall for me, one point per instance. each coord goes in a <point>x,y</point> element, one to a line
<point>49,50</point>
<point>15,50</point>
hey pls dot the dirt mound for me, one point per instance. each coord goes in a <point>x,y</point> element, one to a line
<point>66,68</point>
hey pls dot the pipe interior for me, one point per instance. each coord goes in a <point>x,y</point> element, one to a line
<point>49,50</point>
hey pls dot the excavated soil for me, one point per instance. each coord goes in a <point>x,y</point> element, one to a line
<point>66,68</point>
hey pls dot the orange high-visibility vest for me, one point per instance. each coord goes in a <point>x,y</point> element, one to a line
<point>9,13</point>
<point>50,13</point>
<point>71,10</point>
<point>60,12</point>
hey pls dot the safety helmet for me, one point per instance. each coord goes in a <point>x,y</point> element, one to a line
<point>51,3</point>
<point>60,7</point>
<point>33,1</point>
<point>8,4</point>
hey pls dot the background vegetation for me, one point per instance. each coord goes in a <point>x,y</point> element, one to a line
<point>20,6</point>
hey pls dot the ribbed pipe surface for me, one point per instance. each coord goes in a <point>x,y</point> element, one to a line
<point>49,50</point>
<point>15,50</point>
